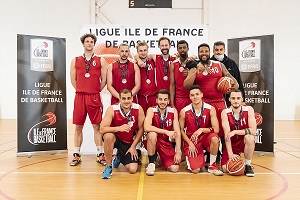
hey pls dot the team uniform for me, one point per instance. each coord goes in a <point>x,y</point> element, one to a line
<point>237,141</point>
<point>181,94</point>
<point>164,145</point>
<point>211,95</point>
<point>203,141</point>
<point>87,97</point>
<point>125,139</point>
<point>123,77</point>
<point>146,95</point>
<point>163,72</point>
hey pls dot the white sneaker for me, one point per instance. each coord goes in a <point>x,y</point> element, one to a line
<point>150,170</point>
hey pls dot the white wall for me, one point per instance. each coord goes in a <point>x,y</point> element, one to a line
<point>226,19</point>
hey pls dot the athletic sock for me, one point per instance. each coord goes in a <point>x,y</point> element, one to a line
<point>247,162</point>
<point>212,159</point>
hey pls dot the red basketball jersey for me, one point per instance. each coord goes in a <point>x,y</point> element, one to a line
<point>148,74</point>
<point>119,119</point>
<point>90,85</point>
<point>209,82</point>
<point>190,119</point>
<point>117,77</point>
<point>163,70</point>
<point>238,124</point>
<point>165,123</point>
<point>179,79</point>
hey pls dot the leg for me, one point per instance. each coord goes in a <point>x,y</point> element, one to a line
<point>151,148</point>
<point>109,141</point>
<point>131,167</point>
<point>248,152</point>
<point>77,144</point>
<point>174,168</point>
<point>214,148</point>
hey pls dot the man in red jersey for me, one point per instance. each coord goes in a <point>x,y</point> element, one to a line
<point>178,72</point>
<point>239,127</point>
<point>88,77</point>
<point>162,63</point>
<point>122,128</point>
<point>162,125</point>
<point>199,128</point>
<point>146,95</point>
<point>123,74</point>
<point>207,74</point>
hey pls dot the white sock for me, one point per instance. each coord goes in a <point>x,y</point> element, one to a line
<point>212,159</point>
<point>115,151</point>
<point>100,149</point>
<point>77,150</point>
<point>247,162</point>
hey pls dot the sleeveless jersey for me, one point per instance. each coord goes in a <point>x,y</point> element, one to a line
<point>148,72</point>
<point>180,91</point>
<point>190,120</point>
<point>117,77</point>
<point>163,69</point>
<point>119,119</point>
<point>166,123</point>
<point>237,124</point>
<point>89,85</point>
<point>209,82</point>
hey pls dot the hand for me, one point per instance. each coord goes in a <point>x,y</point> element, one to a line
<point>195,135</point>
<point>133,152</point>
<point>171,134</point>
<point>185,72</point>
<point>177,157</point>
<point>234,157</point>
<point>229,135</point>
<point>193,152</point>
<point>124,128</point>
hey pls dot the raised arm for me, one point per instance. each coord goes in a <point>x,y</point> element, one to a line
<point>189,80</point>
<point>226,73</point>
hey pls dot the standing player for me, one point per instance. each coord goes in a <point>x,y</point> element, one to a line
<point>123,74</point>
<point>161,123</point>
<point>199,128</point>
<point>178,72</point>
<point>119,125</point>
<point>207,74</point>
<point>239,127</point>
<point>146,95</point>
<point>162,63</point>
<point>88,77</point>
<point>231,66</point>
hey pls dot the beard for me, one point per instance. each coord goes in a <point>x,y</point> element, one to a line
<point>204,61</point>
<point>183,55</point>
<point>165,51</point>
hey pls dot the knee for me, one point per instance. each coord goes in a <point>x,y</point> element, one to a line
<point>249,139</point>
<point>78,129</point>
<point>214,141</point>
<point>109,137</point>
<point>174,168</point>
<point>132,169</point>
<point>152,137</point>
<point>196,171</point>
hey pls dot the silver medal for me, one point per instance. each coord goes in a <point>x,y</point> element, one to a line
<point>130,123</point>
<point>124,81</point>
<point>204,72</point>
<point>181,69</point>
<point>87,75</point>
<point>148,81</point>
<point>165,78</point>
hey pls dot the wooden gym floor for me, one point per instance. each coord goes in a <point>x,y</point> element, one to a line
<point>50,176</point>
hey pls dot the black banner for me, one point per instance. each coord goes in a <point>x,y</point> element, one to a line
<point>255,57</point>
<point>42,121</point>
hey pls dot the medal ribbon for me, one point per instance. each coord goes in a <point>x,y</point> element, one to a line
<point>162,119</point>
<point>123,70</point>
<point>165,64</point>
<point>237,121</point>
<point>128,115</point>
<point>87,63</point>
<point>195,116</point>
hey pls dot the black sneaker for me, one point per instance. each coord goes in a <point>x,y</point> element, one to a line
<point>249,171</point>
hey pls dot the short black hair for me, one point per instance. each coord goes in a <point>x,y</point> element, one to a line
<point>195,87</point>
<point>203,45</point>
<point>163,91</point>
<point>82,38</point>
<point>182,42</point>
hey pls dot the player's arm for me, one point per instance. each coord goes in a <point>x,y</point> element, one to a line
<point>137,80</point>
<point>182,127</point>
<point>226,128</point>
<point>172,85</point>
<point>176,128</point>
<point>103,72</point>
<point>251,123</point>
<point>226,73</point>
<point>110,88</point>
<point>73,73</point>
<point>189,80</point>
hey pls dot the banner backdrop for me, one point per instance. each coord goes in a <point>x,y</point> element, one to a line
<point>42,123</point>
<point>109,37</point>
<point>255,57</point>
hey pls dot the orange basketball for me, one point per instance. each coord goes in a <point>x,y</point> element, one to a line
<point>236,168</point>
<point>258,118</point>
<point>224,84</point>
<point>110,54</point>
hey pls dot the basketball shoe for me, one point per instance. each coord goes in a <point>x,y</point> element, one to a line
<point>76,159</point>
<point>116,162</point>
<point>213,169</point>
<point>249,171</point>
<point>106,174</point>
<point>150,170</point>
<point>101,159</point>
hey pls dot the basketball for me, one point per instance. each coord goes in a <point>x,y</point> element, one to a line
<point>110,54</point>
<point>224,84</point>
<point>236,168</point>
<point>258,118</point>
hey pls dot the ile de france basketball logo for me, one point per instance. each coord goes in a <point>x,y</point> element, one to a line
<point>249,55</point>
<point>40,133</point>
<point>41,55</point>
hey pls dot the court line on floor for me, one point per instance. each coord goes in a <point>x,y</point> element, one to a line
<point>7,142</point>
<point>287,153</point>
<point>287,144</point>
<point>142,180</point>
<point>7,150</point>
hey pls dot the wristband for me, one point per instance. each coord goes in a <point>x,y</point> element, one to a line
<point>211,130</point>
